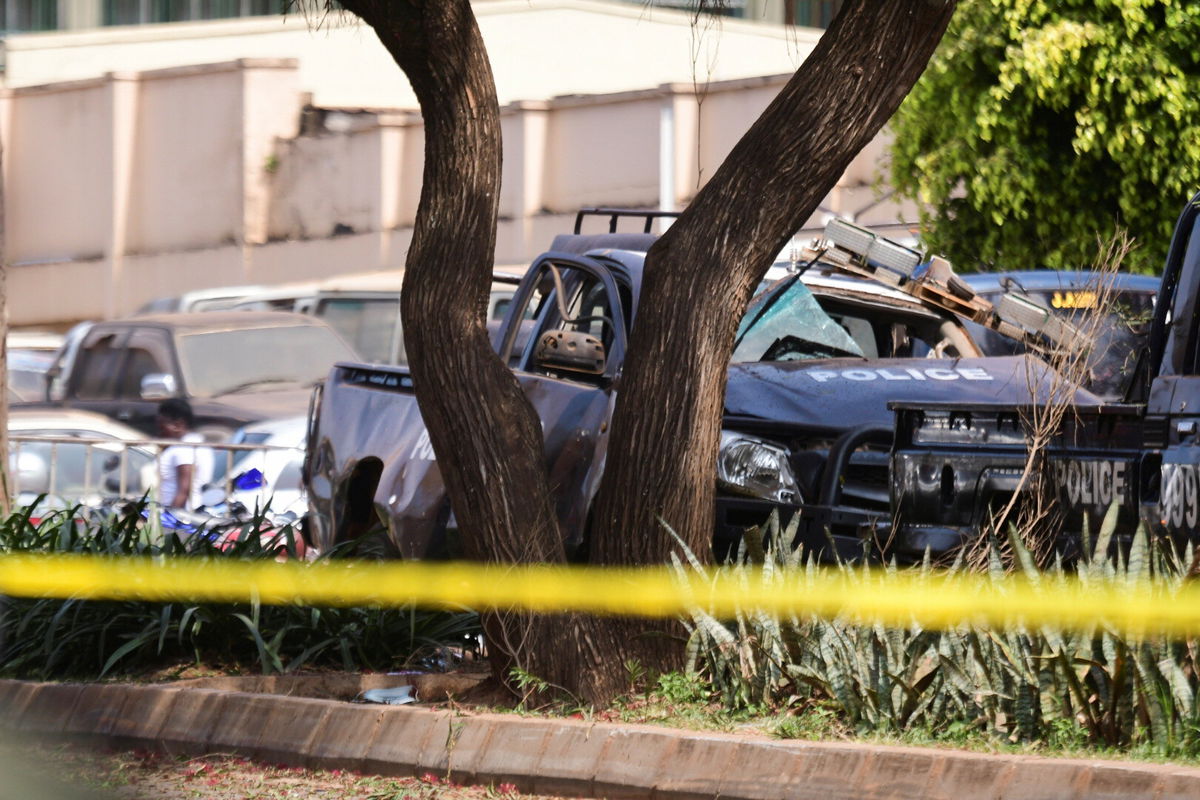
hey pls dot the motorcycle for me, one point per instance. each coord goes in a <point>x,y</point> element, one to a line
<point>229,526</point>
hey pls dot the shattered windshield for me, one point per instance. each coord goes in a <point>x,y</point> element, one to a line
<point>788,325</point>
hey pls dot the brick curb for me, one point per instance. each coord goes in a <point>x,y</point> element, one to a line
<point>557,756</point>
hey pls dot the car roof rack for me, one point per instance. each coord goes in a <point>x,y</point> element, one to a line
<point>615,214</point>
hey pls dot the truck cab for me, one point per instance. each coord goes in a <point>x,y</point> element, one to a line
<point>1171,451</point>
<point>234,367</point>
<point>564,334</point>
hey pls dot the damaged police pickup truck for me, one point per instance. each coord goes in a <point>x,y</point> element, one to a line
<point>956,463</point>
<point>807,427</point>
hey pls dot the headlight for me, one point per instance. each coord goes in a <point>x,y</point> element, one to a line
<point>752,467</point>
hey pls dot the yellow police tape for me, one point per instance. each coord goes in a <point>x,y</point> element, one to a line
<point>932,600</point>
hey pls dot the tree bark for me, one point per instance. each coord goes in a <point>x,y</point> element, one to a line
<point>699,277</point>
<point>485,433</point>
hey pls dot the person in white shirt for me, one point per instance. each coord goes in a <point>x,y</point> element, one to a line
<point>182,470</point>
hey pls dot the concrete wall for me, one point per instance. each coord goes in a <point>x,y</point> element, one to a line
<point>137,184</point>
<point>145,184</point>
<point>58,146</point>
<point>187,143</point>
<point>602,153</point>
<point>327,185</point>
<point>155,159</point>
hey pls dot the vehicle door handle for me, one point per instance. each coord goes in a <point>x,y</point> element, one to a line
<point>124,415</point>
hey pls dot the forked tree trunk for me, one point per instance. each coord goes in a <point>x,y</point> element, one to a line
<point>699,277</point>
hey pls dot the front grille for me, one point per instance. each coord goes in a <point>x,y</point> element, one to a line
<point>866,481</point>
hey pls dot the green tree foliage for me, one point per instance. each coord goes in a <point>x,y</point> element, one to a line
<point>1042,126</point>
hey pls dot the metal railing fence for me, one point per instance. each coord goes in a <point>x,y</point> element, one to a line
<point>84,469</point>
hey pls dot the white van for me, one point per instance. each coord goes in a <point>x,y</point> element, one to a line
<point>281,297</point>
<point>365,309</point>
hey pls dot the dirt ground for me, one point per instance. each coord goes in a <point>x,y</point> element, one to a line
<point>40,772</point>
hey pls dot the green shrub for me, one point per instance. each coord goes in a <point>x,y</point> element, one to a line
<point>1021,684</point>
<point>53,638</point>
<point>682,688</point>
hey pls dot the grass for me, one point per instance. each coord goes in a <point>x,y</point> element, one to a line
<point>54,638</point>
<point>687,701</point>
<point>1025,687</point>
<point>1023,690</point>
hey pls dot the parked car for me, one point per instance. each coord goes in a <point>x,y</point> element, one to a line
<point>282,297</point>
<point>365,309</point>
<point>61,365</point>
<point>955,463</point>
<point>234,367</point>
<point>76,457</point>
<point>29,354</point>
<point>221,298</point>
<point>280,459</point>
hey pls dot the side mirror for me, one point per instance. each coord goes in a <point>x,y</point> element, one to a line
<point>158,386</point>
<point>570,351</point>
<point>55,388</point>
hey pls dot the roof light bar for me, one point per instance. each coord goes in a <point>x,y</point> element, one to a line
<point>1022,311</point>
<point>876,250</point>
<point>840,233</point>
<point>895,257</point>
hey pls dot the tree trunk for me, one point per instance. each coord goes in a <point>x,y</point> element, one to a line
<point>700,275</point>
<point>485,433</point>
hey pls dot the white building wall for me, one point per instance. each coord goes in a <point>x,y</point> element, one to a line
<point>270,97</point>
<point>327,182</point>
<point>602,151</point>
<point>144,276</point>
<point>726,113</point>
<point>141,184</point>
<point>58,172</point>
<point>188,146</point>
<point>539,49</point>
